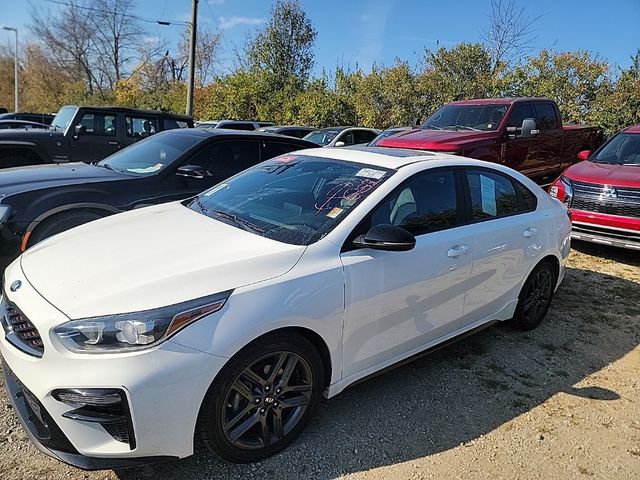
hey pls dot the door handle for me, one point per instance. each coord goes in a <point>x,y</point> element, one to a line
<point>458,250</point>
<point>530,232</point>
<point>113,142</point>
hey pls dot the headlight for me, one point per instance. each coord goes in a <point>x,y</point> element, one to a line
<point>135,331</point>
<point>5,211</point>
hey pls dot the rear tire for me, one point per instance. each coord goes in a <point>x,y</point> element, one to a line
<point>262,398</point>
<point>60,223</point>
<point>535,297</point>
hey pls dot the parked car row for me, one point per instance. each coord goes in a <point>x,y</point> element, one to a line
<point>267,271</point>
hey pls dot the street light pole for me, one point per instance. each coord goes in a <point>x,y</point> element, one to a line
<point>192,57</point>
<point>15,66</point>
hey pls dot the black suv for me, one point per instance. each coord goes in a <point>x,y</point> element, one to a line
<point>84,134</point>
<point>37,202</point>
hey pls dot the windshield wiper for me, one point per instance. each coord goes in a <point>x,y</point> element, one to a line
<point>466,127</point>
<point>435,127</point>
<point>242,223</point>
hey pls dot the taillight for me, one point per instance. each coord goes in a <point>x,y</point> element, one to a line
<point>561,189</point>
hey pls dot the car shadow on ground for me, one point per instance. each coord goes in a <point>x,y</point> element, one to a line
<point>620,255</point>
<point>456,394</point>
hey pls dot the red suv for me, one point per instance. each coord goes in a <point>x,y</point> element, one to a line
<point>604,192</point>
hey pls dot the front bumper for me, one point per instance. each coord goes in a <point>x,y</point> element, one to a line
<point>164,388</point>
<point>43,431</point>
<point>604,229</point>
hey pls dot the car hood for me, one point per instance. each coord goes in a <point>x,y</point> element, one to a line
<point>148,258</point>
<point>11,134</point>
<point>439,140</point>
<point>36,177</point>
<point>605,173</point>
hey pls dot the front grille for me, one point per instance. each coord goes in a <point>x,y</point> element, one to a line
<point>18,329</point>
<point>599,198</point>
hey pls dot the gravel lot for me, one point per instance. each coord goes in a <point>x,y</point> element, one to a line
<point>560,402</point>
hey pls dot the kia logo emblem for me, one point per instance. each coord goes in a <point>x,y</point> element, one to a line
<point>15,285</point>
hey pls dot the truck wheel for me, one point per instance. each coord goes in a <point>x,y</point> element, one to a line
<point>60,223</point>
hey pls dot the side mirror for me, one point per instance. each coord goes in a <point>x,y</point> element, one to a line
<point>584,154</point>
<point>78,130</point>
<point>191,171</point>
<point>339,143</point>
<point>529,128</point>
<point>386,237</point>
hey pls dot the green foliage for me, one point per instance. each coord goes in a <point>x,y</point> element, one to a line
<point>283,49</point>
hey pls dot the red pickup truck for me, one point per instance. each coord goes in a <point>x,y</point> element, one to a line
<point>604,192</point>
<point>525,134</point>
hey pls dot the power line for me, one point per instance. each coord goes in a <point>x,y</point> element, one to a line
<point>136,17</point>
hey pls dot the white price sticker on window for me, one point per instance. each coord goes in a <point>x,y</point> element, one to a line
<point>488,193</point>
<point>371,173</point>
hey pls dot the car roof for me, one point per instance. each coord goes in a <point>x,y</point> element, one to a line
<point>632,129</point>
<point>499,101</point>
<point>134,111</point>
<point>394,158</point>
<point>228,132</point>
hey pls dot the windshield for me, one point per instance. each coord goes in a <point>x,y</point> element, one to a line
<point>322,137</point>
<point>623,149</point>
<point>385,134</point>
<point>295,199</point>
<point>63,117</point>
<point>151,155</point>
<point>466,117</point>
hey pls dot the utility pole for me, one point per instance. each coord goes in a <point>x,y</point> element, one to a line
<point>15,66</point>
<point>192,57</point>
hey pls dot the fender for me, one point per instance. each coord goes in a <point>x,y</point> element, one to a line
<point>64,208</point>
<point>25,146</point>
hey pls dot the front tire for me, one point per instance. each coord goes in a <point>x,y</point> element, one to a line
<point>535,297</point>
<point>262,399</point>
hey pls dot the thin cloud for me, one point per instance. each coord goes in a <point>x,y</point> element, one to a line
<point>227,23</point>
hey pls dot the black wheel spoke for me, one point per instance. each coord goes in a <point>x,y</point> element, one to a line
<point>278,429</point>
<point>297,401</point>
<point>265,432</point>
<point>288,370</point>
<point>254,378</point>
<point>243,390</point>
<point>297,388</point>
<point>243,427</point>
<point>279,363</point>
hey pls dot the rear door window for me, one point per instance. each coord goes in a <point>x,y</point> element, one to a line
<point>493,195</point>
<point>546,116</point>
<point>226,158</point>
<point>139,127</point>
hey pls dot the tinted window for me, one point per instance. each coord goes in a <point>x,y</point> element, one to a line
<point>425,203</point>
<point>151,155</point>
<point>363,136</point>
<point>347,138</point>
<point>272,149</point>
<point>138,127</point>
<point>528,199</point>
<point>519,114</point>
<point>492,195</point>
<point>98,124</point>
<point>466,117</point>
<point>224,159</point>
<point>546,116</point>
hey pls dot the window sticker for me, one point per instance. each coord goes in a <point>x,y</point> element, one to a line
<point>371,173</point>
<point>284,158</point>
<point>151,169</point>
<point>488,193</point>
<point>215,189</point>
<point>335,212</point>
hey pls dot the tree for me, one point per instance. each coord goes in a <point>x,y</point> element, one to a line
<point>284,47</point>
<point>509,33</point>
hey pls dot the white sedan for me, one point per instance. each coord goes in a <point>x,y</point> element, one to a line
<point>225,317</point>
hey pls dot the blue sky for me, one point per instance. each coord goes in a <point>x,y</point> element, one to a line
<point>360,32</point>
